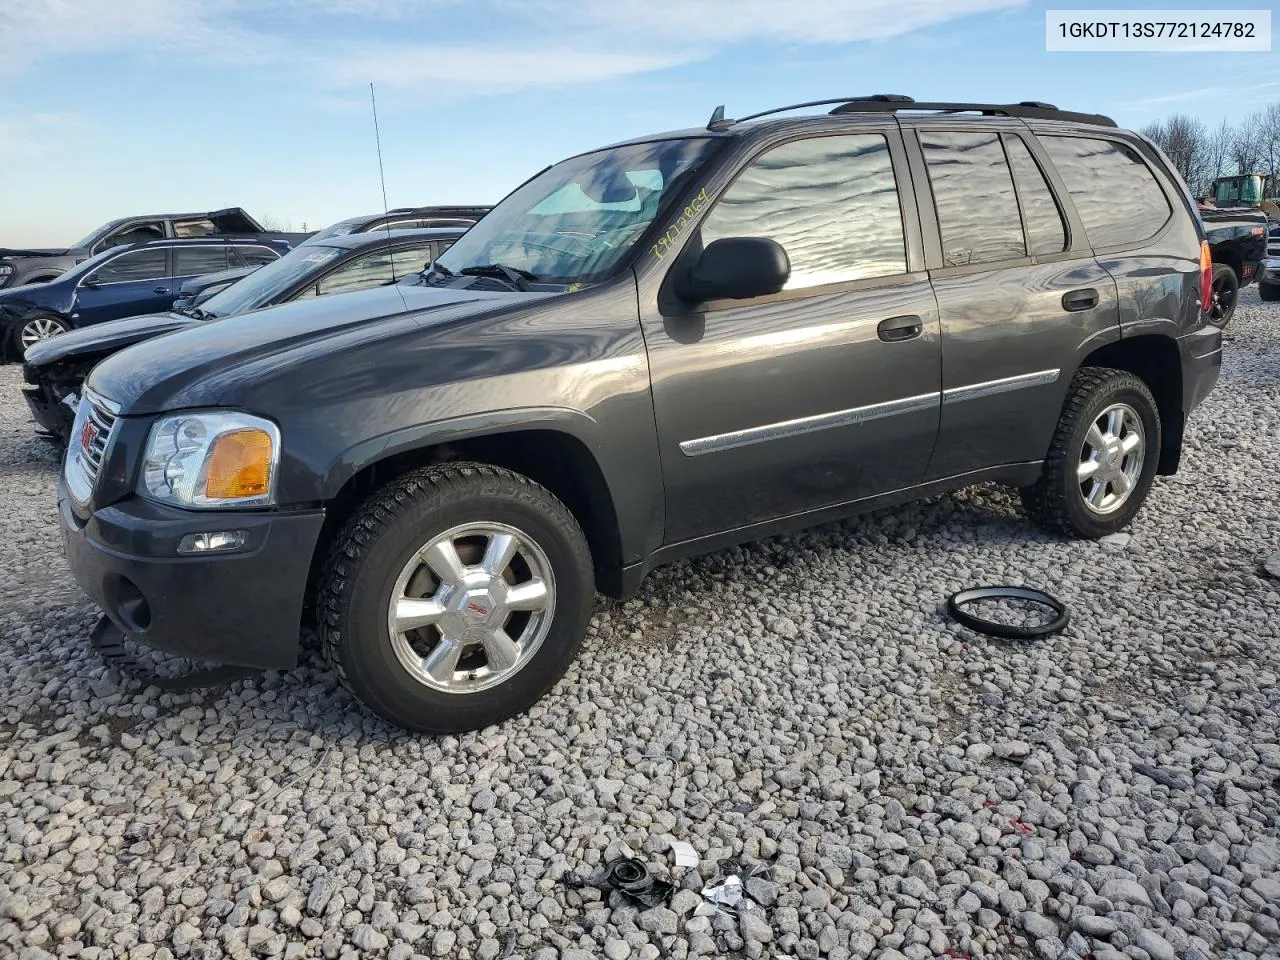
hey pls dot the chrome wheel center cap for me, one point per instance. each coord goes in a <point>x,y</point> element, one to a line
<point>476,608</point>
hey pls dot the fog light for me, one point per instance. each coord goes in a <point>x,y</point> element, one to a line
<point>213,542</point>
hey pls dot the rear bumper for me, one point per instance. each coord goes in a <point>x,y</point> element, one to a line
<point>241,608</point>
<point>1201,353</point>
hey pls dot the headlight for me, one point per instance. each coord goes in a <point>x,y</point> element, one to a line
<point>210,460</point>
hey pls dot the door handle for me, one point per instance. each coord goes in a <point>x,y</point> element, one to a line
<point>1080,300</point>
<point>160,290</point>
<point>897,329</point>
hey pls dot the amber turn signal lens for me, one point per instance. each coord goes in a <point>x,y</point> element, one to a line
<point>239,466</point>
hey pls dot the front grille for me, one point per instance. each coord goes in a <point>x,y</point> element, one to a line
<point>90,438</point>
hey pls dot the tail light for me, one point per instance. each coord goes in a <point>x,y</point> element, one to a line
<point>1206,275</point>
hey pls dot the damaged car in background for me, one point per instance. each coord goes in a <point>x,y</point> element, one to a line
<point>19,266</point>
<point>54,370</point>
<point>119,282</point>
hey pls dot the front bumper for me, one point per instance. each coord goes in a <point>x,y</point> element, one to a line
<point>241,608</point>
<point>52,414</point>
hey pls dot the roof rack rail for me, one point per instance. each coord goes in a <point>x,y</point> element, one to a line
<point>1026,109</point>
<point>718,121</point>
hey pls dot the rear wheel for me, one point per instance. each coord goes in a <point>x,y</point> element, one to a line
<point>456,597</point>
<point>27,333</point>
<point>1226,292</point>
<point>1269,292</point>
<point>1103,457</point>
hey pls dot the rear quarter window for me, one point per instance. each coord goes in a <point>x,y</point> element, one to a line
<point>1117,196</point>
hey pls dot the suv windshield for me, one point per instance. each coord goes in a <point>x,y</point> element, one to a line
<point>574,222</point>
<point>94,237</point>
<point>267,282</point>
<point>339,229</point>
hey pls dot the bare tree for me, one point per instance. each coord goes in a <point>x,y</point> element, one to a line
<point>1184,141</point>
<point>1246,146</point>
<point>273,224</point>
<point>1217,157</point>
<point>1267,136</point>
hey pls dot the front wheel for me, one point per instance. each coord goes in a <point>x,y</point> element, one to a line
<point>27,333</point>
<point>1103,457</point>
<point>456,597</point>
<point>1226,292</point>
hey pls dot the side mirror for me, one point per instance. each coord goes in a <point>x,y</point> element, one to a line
<point>736,268</point>
<point>91,284</point>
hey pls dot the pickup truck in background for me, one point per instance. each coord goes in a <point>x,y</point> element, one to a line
<point>1238,243</point>
<point>21,266</point>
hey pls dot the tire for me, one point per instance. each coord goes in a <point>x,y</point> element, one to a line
<point>378,554</point>
<point>1226,294</point>
<point>35,329</point>
<point>1270,292</point>
<point>1057,502</point>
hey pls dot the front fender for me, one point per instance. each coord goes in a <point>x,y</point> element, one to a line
<point>365,454</point>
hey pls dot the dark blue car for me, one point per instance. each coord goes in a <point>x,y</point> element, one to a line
<point>121,282</point>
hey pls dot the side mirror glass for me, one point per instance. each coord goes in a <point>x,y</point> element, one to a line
<point>737,268</point>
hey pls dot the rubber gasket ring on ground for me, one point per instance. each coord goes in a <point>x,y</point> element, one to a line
<point>1007,631</point>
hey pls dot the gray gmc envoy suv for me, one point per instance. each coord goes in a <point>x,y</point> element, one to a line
<point>659,348</point>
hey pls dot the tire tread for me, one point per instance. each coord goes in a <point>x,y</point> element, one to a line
<point>370,521</point>
<point>1046,500</point>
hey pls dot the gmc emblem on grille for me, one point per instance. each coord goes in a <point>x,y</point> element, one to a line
<point>88,434</point>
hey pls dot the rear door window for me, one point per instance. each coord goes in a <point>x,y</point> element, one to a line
<point>1046,233</point>
<point>1116,195</point>
<point>194,261</point>
<point>831,202</point>
<point>974,197</point>
<point>194,228</point>
<point>136,265</point>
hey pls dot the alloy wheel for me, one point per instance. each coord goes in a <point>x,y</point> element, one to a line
<point>1111,458</point>
<point>471,607</point>
<point>38,330</point>
<point>1221,301</point>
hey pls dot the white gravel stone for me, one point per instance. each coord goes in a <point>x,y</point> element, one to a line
<point>800,703</point>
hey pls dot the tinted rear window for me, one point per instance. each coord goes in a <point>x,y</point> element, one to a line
<point>1116,195</point>
<point>193,261</point>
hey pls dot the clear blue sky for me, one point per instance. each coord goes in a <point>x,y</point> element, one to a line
<point>118,107</point>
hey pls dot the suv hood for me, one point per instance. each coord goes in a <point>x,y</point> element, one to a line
<point>198,366</point>
<point>105,337</point>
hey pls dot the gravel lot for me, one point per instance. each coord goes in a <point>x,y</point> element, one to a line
<point>918,791</point>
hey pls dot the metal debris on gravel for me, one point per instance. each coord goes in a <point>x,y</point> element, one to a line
<point>800,703</point>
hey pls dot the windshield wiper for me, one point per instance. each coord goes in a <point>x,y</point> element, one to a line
<point>433,270</point>
<point>500,271</point>
<point>197,312</point>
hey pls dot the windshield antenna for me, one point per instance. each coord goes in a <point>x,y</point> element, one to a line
<point>386,208</point>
